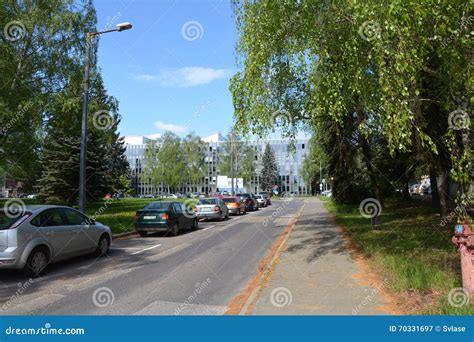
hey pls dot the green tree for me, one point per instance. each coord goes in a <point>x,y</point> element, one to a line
<point>194,158</point>
<point>60,152</point>
<point>39,55</point>
<point>269,173</point>
<point>353,67</point>
<point>243,155</point>
<point>165,162</point>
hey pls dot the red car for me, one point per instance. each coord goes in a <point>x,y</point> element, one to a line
<point>235,205</point>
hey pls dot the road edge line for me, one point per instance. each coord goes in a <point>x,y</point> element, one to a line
<point>241,303</point>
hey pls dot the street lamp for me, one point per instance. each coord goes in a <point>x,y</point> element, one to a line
<point>82,171</point>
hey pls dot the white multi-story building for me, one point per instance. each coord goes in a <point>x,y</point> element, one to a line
<point>289,161</point>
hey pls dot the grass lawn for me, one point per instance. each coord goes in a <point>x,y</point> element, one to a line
<point>411,250</point>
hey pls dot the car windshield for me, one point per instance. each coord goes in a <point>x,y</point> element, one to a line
<point>208,201</point>
<point>7,219</point>
<point>158,205</point>
<point>229,200</point>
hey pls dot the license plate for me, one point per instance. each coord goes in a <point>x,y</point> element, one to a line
<point>205,209</point>
<point>149,217</point>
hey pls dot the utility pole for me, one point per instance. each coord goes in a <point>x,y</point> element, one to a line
<point>320,177</point>
<point>83,157</point>
<point>232,174</point>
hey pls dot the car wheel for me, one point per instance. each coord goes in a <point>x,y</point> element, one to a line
<point>175,229</point>
<point>143,234</point>
<point>103,246</point>
<point>195,224</point>
<point>36,263</point>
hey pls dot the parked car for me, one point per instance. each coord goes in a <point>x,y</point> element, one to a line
<point>250,201</point>
<point>164,217</point>
<point>38,235</point>
<point>235,205</point>
<point>262,203</point>
<point>327,193</point>
<point>266,196</point>
<point>212,208</point>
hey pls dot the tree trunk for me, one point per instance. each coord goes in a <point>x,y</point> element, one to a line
<point>434,188</point>
<point>406,189</point>
<point>442,187</point>
<point>367,153</point>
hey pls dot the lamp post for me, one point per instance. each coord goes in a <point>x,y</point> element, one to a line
<point>82,171</point>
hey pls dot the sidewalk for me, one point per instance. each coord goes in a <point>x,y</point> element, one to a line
<point>316,274</point>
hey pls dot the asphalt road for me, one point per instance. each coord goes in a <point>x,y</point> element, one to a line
<point>197,272</point>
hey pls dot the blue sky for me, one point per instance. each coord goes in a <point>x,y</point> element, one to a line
<point>172,70</point>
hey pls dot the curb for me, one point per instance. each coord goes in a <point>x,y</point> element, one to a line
<point>123,235</point>
<point>258,281</point>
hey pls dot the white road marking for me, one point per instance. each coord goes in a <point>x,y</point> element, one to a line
<point>123,248</point>
<point>146,249</point>
<point>207,228</point>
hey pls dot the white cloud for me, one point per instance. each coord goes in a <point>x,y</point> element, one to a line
<point>153,136</point>
<point>144,77</point>
<point>170,127</point>
<point>190,76</point>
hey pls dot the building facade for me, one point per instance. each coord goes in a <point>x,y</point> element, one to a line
<point>289,157</point>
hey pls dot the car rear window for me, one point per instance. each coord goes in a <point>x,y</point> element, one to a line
<point>208,201</point>
<point>229,200</point>
<point>7,219</point>
<point>158,205</point>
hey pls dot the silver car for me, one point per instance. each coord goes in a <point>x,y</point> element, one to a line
<point>212,208</point>
<point>38,235</point>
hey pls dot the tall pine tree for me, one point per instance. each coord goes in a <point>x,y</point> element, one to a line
<point>269,173</point>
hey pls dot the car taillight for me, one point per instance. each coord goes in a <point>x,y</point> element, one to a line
<point>21,220</point>
<point>136,216</point>
<point>165,216</point>
<point>216,208</point>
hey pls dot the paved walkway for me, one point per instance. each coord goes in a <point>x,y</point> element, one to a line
<point>316,275</point>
